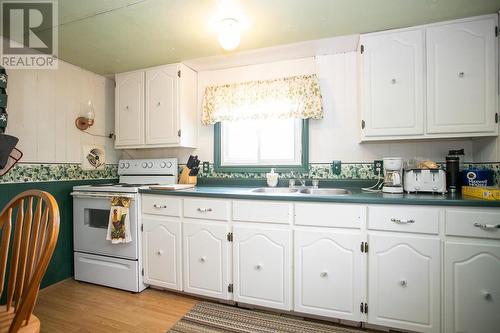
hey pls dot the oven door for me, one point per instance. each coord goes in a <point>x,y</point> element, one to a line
<point>90,225</point>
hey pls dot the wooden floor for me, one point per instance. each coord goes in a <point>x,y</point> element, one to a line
<point>71,306</point>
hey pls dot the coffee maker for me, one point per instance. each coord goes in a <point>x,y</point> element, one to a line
<point>393,175</point>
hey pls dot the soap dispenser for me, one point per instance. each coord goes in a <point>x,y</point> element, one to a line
<point>272,178</point>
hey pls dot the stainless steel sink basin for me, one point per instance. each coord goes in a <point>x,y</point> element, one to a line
<point>277,190</point>
<point>325,191</point>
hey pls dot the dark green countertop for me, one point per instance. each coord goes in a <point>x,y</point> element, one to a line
<point>357,196</point>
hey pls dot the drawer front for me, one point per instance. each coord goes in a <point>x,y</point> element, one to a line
<point>212,209</point>
<point>262,211</point>
<point>473,223</point>
<point>329,215</point>
<point>161,205</point>
<point>417,219</point>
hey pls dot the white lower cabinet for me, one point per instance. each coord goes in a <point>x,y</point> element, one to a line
<point>328,273</point>
<point>404,282</point>
<point>206,259</point>
<point>471,287</point>
<point>161,244</point>
<point>262,266</point>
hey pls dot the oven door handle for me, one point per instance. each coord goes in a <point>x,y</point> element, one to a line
<point>101,195</point>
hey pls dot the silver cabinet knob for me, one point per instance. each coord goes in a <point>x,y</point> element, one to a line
<point>126,107</point>
<point>160,206</point>
<point>393,81</point>
<point>486,295</point>
<point>203,259</point>
<point>258,267</point>
<point>461,74</point>
<point>158,104</point>
<point>323,274</point>
<point>403,283</point>
<point>159,252</point>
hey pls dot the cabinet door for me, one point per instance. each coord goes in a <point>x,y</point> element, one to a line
<point>471,287</point>
<point>404,282</point>
<point>161,243</point>
<point>129,109</point>
<point>262,271</point>
<point>328,274</point>
<point>162,117</point>
<point>461,77</point>
<point>393,84</point>
<point>206,259</point>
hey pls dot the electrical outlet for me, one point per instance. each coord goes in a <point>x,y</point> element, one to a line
<point>206,167</point>
<point>337,167</point>
<point>378,166</point>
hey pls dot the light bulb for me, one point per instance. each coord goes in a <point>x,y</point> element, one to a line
<point>229,34</point>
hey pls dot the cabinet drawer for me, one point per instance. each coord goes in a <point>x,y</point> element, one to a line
<point>212,209</point>
<point>329,215</point>
<point>473,223</point>
<point>262,211</point>
<point>161,205</point>
<point>422,219</point>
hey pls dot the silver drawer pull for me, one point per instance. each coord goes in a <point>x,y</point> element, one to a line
<point>398,221</point>
<point>204,210</point>
<point>203,259</point>
<point>487,226</point>
<point>159,206</point>
<point>323,274</point>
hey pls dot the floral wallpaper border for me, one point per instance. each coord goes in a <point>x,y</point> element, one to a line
<point>23,173</point>
<point>27,173</point>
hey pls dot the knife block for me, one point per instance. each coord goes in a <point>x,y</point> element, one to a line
<point>185,178</point>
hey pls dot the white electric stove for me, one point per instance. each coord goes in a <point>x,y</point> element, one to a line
<point>97,260</point>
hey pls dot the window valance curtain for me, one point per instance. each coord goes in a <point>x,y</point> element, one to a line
<point>290,97</point>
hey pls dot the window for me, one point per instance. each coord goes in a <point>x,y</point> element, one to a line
<point>258,145</point>
<point>262,124</point>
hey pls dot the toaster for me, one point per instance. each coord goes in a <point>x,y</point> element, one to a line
<point>425,180</point>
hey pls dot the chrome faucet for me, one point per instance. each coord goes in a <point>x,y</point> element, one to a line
<point>297,177</point>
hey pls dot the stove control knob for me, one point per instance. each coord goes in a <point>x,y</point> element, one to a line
<point>122,165</point>
<point>169,164</point>
<point>150,165</point>
<point>163,164</point>
<point>127,165</point>
<point>144,165</point>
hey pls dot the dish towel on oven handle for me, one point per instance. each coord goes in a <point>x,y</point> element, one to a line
<point>119,221</point>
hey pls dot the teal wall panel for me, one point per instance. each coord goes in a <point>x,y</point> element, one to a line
<point>61,265</point>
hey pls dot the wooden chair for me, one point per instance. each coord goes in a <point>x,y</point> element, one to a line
<point>36,227</point>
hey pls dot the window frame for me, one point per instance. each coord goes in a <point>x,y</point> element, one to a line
<point>303,167</point>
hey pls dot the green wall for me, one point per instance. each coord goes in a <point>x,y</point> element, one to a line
<point>61,265</point>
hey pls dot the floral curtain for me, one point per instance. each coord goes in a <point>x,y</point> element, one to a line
<point>290,97</point>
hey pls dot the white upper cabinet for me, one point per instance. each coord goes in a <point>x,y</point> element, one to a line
<point>461,77</point>
<point>393,83</point>
<point>156,108</point>
<point>435,81</point>
<point>162,121</point>
<point>129,109</point>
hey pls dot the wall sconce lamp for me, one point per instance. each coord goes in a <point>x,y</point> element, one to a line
<point>84,122</point>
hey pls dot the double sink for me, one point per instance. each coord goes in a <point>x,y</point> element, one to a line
<point>303,190</point>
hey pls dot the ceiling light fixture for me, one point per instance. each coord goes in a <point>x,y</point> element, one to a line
<point>229,34</point>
